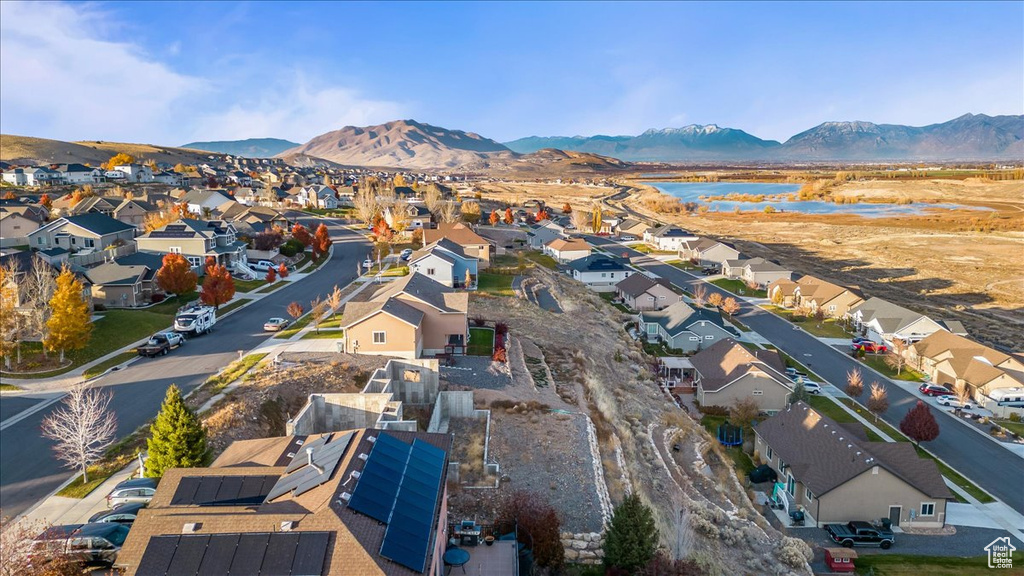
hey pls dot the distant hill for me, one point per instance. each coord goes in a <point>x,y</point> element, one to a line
<point>250,148</point>
<point>402,144</point>
<point>969,137</point>
<point>30,150</point>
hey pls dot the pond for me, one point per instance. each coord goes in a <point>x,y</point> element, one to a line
<point>693,191</point>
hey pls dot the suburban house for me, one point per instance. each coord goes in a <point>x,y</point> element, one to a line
<point>318,196</point>
<point>539,234</point>
<point>757,270</point>
<point>446,262</point>
<point>464,236</point>
<point>564,251</point>
<point>417,216</point>
<point>79,174</point>
<point>135,172</point>
<point>684,327</point>
<point>727,372</point>
<point>347,503</point>
<point>196,240</point>
<point>631,227</point>
<point>411,317</point>
<point>16,225</point>
<point>813,294</point>
<point>134,212</point>
<point>667,238</point>
<point>883,322</point>
<point>837,476</point>
<point>641,292</point>
<point>952,360</point>
<point>120,284</point>
<point>707,252</point>
<point>202,201</point>
<point>600,273</point>
<point>82,232</point>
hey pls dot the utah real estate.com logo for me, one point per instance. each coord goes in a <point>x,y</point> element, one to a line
<point>1000,553</point>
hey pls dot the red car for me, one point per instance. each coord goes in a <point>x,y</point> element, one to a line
<point>872,347</point>
<point>933,390</point>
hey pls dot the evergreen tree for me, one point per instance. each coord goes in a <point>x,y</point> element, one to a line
<point>632,537</point>
<point>177,437</point>
<point>70,324</point>
<point>799,394</point>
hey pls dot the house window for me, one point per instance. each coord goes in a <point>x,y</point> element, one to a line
<point>652,328</point>
<point>74,240</point>
<point>194,260</point>
<point>175,249</point>
<point>603,274</point>
<point>90,243</point>
<point>380,337</point>
<point>927,509</point>
<point>41,240</point>
<point>758,392</point>
<point>791,485</point>
<point>808,495</point>
<point>769,454</point>
<point>430,271</point>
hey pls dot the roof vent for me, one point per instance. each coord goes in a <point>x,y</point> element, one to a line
<point>288,525</point>
<point>291,454</point>
<point>371,439</point>
<point>364,456</point>
<point>356,474</point>
<point>191,527</point>
<point>345,496</point>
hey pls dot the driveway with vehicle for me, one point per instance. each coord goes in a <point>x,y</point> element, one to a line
<point>28,469</point>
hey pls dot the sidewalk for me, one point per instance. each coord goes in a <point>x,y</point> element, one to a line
<point>61,510</point>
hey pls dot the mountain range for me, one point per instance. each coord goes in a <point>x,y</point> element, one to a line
<point>969,137</point>
<point>251,148</point>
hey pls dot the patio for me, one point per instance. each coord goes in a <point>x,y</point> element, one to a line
<point>498,559</point>
<point>676,372</point>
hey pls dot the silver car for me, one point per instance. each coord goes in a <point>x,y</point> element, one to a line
<point>134,491</point>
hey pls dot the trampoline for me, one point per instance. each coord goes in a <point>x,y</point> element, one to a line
<point>729,435</point>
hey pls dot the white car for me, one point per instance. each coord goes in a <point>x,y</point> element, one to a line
<point>812,387</point>
<point>275,325</point>
<point>954,402</point>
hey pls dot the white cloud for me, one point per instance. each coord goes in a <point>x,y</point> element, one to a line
<point>62,80</point>
<point>297,111</point>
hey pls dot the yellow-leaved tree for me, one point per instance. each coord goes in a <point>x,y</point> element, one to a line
<point>69,325</point>
<point>119,159</point>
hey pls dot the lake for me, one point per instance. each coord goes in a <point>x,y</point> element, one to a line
<point>692,191</point>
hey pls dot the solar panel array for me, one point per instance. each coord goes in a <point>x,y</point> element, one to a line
<point>254,554</point>
<point>222,490</point>
<point>400,485</point>
<point>300,477</point>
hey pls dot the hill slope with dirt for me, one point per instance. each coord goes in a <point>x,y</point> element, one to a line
<point>31,150</point>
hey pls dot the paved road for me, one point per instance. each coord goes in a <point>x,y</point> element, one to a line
<point>983,461</point>
<point>28,470</point>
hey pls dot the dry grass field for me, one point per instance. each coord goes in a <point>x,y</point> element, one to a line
<point>27,149</point>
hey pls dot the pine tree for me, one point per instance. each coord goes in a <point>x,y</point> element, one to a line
<point>177,437</point>
<point>799,394</point>
<point>69,326</point>
<point>919,425</point>
<point>176,275</point>
<point>632,536</point>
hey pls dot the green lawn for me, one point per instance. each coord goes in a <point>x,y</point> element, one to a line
<point>542,259</point>
<point>738,287</point>
<point>237,303</point>
<point>1012,426</point>
<point>294,328</point>
<point>908,565</point>
<point>481,342</point>
<point>828,328</point>
<point>232,372</point>
<point>877,361</point>
<point>498,284</point>
<point>103,366</point>
<point>98,474</point>
<point>609,296</point>
<point>243,285</point>
<point>323,334</point>
<point>8,388</point>
<point>683,264</point>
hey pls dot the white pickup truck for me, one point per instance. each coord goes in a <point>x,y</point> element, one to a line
<point>195,319</point>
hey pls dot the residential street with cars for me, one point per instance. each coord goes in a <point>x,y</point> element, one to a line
<point>28,472</point>
<point>992,467</point>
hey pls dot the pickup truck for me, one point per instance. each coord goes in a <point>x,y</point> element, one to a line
<point>860,534</point>
<point>161,344</point>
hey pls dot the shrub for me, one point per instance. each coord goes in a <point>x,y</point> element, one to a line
<point>478,321</point>
<point>157,298</point>
<point>632,537</point>
<point>292,247</point>
<point>500,328</point>
<point>99,307</point>
<point>1014,417</point>
<point>714,410</point>
<point>538,525</point>
<point>500,355</point>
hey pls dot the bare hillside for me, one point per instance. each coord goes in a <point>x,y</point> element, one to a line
<point>30,150</point>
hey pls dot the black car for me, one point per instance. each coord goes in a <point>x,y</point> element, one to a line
<point>709,270</point>
<point>121,514</point>
<point>763,473</point>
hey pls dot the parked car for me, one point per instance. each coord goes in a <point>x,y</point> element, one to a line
<point>161,344</point>
<point>121,514</point>
<point>405,254</point>
<point>794,374</point>
<point>811,387</point>
<point>860,534</point>
<point>933,390</point>
<point>96,543</point>
<point>763,473</point>
<point>262,265</point>
<point>872,347</point>
<point>709,270</point>
<point>627,238</point>
<point>859,340</point>
<point>954,402</point>
<point>275,324</point>
<point>134,491</point>
<point>367,263</point>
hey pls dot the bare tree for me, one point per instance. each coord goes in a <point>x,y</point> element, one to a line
<point>854,383</point>
<point>366,205</point>
<point>700,295</point>
<point>878,400</point>
<point>38,286</point>
<point>82,428</point>
<point>25,556</point>
<point>317,309</point>
<point>580,220</point>
<point>334,299</point>
<point>448,212</point>
<point>897,356</point>
<point>743,412</point>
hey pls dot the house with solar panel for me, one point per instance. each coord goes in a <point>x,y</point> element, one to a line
<point>360,502</point>
<point>196,240</point>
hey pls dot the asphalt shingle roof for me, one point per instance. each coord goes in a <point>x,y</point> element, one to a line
<point>99,224</point>
<point>678,317</point>
<point>726,360</point>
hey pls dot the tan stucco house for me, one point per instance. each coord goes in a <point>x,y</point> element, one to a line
<point>123,285</point>
<point>563,250</point>
<point>726,372</point>
<point>471,242</point>
<point>641,292</point>
<point>951,360</point>
<point>837,476</point>
<point>410,318</point>
<point>82,232</point>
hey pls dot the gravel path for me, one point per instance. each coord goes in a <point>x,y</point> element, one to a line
<point>473,372</point>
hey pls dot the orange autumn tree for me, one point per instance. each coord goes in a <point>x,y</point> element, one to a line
<point>300,233</point>
<point>218,287</point>
<point>176,275</point>
<point>508,215</point>
<point>271,275</point>
<point>495,218</point>
<point>566,208</point>
<point>282,270</point>
<point>45,201</point>
<point>322,240</point>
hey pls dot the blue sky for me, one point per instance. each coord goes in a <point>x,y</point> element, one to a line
<point>170,73</point>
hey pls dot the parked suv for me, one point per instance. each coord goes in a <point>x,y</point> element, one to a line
<point>134,491</point>
<point>933,390</point>
<point>96,543</point>
<point>120,514</point>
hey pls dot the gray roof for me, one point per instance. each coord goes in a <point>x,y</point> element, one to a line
<point>678,317</point>
<point>762,265</point>
<point>726,360</point>
<point>888,315</point>
<point>421,287</point>
<point>358,311</point>
<point>637,284</point>
<point>153,261</point>
<point>669,231</point>
<point>439,248</point>
<point>116,274</point>
<point>824,455</point>
<point>99,224</point>
<point>598,263</point>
